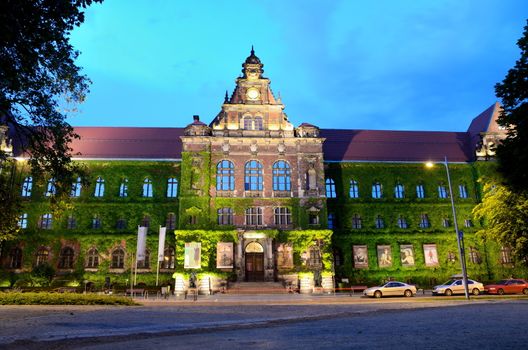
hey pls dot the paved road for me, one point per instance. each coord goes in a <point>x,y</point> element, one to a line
<point>391,323</point>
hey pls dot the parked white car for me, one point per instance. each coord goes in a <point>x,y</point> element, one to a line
<point>456,286</point>
<point>392,288</point>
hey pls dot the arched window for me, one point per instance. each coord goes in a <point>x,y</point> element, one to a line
<point>282,216</point>
<point>92,258</point>
<point>170,223</point>
<point>379,222</point>
<point>424,221</point>
<point>147,188</point>
<point>23,220</point>
<point>356,222</point>
<point>51,190</point>
<point>168,258</point>
<point>399,191</point>
<point>27,186</point>
<point>402,223</point>
<point>462,191</point>
<point>42,256</point>
<point>172,187</point>
<point>145,264</point>
<point>76,188</point>
<point>15,258</point>
<point>225,216</point>
<point>99,187</point>
<point>96,222</point>
<point>281,176</point>
<point>330,188</point>
<point>254,216</point>
<point>376,190</point>
<point>331,221</point>
<point>420,191</point>
<point>46,221</point>
<point>66,258</point>
<point>225,176</point>
<point>123,188</point>
<point>442,192</point>
<point>354,189</point>
<point>253,176</point>
<point>118,258</point>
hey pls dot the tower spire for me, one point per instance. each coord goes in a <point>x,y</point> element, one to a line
<point>226,99</point>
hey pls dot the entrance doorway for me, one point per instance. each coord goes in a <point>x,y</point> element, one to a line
<point>254,262</point>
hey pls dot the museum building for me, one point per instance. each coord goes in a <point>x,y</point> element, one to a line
<point>251,197</point>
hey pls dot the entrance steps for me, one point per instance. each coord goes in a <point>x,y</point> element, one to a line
<point>256,288</point>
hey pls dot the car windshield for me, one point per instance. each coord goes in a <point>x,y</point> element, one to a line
<point>448,283</point>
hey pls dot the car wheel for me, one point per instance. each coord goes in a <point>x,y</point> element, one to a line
<point>408,293</point>
<point>500,291</point>
<point>525,291</point>
<point>475,291</point>
<point>377,294</point>
<point>448,292</point>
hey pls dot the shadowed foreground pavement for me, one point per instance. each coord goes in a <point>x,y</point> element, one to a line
<point>392,323</point>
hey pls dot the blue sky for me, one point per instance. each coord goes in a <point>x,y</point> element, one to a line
<point>393,65</point>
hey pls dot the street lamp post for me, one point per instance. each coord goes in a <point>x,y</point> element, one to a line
<point>460,239</point>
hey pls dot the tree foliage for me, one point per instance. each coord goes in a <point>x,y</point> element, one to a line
<point>38,77</point>
<point>505,213</point>
<point>512,154</point>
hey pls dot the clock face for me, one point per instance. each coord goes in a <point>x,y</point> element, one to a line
<point>252,93</point>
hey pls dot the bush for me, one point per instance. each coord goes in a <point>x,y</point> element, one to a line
<point>17,298</point>
<point>42,273</point>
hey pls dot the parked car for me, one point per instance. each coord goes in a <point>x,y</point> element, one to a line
<point>456,286</point>
<point>392,288</point>
<point>509,286</point>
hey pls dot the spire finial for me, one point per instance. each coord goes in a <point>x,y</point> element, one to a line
<point>226,99</point>
<point>252,50</point>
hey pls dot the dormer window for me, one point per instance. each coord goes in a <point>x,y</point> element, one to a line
<point>253,123</point>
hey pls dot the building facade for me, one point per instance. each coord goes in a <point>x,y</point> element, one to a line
<point>251,197</point>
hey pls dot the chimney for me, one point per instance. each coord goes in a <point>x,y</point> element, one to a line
<point>196,118</point>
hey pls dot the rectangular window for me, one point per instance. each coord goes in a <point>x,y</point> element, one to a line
<point>282,216</point>
<point>420,191</point>
<point>254,216</point>
<point>462,190</point>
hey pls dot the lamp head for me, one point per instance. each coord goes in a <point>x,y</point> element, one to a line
<point>429,164</point>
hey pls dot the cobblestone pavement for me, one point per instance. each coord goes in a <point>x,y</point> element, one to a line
<point>272,323</point>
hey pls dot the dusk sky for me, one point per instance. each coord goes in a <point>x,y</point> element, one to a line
<point>400,65</point>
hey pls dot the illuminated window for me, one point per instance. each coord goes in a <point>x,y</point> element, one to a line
<point>254,216</point>
<point>402,223</point>
<point>420,191</point>
<point>27,186</point>
<point>76,188</point>
<point>442,192</point>
<point>66,258</point>
<point>172,187</point>
<point>424,221</point>
<point>99,187</point>
<point>282,216</point>
<point>51,190</point>
<point>168,258</point>
<point>42,256</point>
<point>354,189</point>
<point>281,176</point>
<point>123,188</point>
<point>462,191</point>
<point>170,223</point>
<point>376,190</point>
<point>225,216</point>
<point>330,188</point>
<point>399,191</point>
<point>23,220</point>
<point>379,222</point>
<point>46,221</point>
<point>253,176</point>
<point>15,258</point>
<point>331,221</point>
<point>356,222</point>
<point>118,258</point>
<point>147,188</point>
<point>225,176</point>
<point>92,258</point>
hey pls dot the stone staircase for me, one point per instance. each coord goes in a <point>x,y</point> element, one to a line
<point>256,288</point>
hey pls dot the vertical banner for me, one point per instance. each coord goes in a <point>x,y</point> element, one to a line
<point>224,255</point>
<point>360,253</point>
<point>407,255</point>
<point>285,256</point>
<point>430,255</point>
<point>384,255</point>
<point>161,243</point>
<point>141,243</point>
<point>192,258</point>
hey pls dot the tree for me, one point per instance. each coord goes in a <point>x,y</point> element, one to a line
<point>505,213</point>
<point>38,76</point>
<point>512,153</point>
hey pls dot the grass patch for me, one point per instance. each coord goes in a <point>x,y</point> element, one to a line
<point>17,298</point>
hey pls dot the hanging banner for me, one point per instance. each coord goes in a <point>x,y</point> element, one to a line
<point>224,255</point>
<point>141,243</point>
<point>430,255</point>
<point>192,258</point>
<point>384,256</point>
<point>161,243</point>
<point>407,255</point>
<point>360,253</point>
<point>285,256</point>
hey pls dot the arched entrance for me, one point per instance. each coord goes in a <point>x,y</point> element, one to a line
<point>254,253</point>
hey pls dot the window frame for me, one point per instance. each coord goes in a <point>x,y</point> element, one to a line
<point>225,175</point>
<point>253,176</point>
